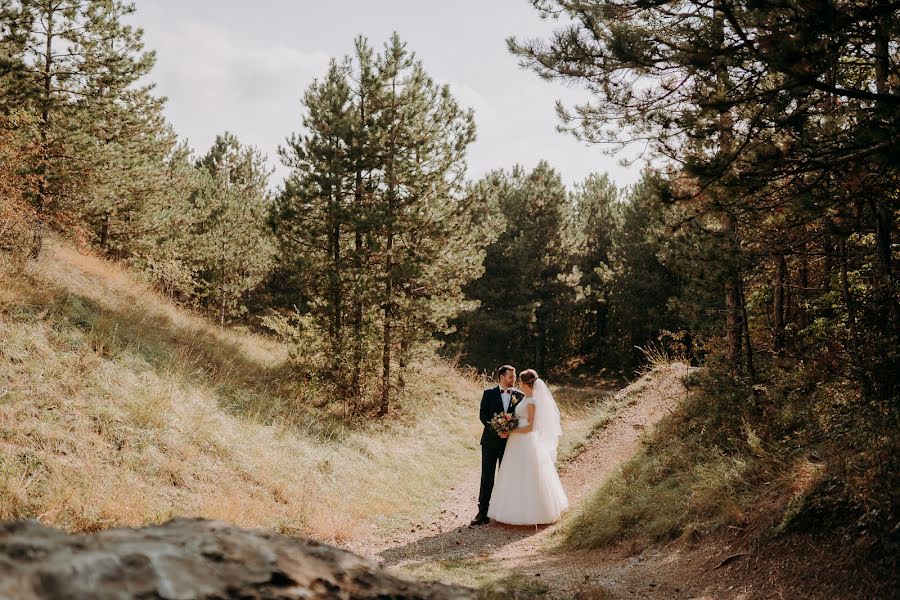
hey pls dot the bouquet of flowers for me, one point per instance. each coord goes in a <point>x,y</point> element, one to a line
<point>504,422</point>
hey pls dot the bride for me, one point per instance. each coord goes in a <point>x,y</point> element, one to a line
<point>528,490</point>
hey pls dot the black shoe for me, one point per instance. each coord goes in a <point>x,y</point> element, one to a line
<point>480,520</point>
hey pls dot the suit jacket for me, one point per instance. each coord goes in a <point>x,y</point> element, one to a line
<point>491,404</point>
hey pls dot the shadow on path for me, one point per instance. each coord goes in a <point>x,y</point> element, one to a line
<point>461,543</point>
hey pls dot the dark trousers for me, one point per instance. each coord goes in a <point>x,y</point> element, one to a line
<point>491,456</point>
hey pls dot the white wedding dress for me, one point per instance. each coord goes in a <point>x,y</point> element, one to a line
<point>527,490</point>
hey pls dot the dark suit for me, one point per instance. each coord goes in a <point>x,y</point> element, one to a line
<point>492,445</point>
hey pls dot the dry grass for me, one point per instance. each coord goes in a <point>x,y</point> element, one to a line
<point>118,408</point>
<point>658,497</point>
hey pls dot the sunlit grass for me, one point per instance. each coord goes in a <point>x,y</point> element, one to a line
<point>658,497</point>
<point>694,476</point>
<point>119,408</point>
<point>586,412</point>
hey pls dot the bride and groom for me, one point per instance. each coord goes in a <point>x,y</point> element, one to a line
<point>525,489</point>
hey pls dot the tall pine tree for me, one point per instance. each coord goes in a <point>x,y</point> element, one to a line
<point>374,212</point>
<point>77,67</point>
<point>231,241</point>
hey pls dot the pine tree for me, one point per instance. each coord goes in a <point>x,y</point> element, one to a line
<point>524,296</point>
<point>135,145</point>
<point>425,137</point>
<point>231,241</point>
<point>312,218</point>
<point>72,63</point>
<point>166,227</point>
<point>779,123</point>
<point>591,233</point>
<point>642,285</point>
<point>373,211</point>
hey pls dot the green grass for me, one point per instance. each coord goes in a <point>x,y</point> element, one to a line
<point>768,458</point>
<point>680,484</point>
<point>658,496</point>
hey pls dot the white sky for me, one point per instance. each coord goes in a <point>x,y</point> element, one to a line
<point>241,66</point>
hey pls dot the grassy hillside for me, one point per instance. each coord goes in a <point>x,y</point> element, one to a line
<point>762,469</point>
<point>118,408</point>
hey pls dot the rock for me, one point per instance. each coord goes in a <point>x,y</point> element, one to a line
<point>192,559</point>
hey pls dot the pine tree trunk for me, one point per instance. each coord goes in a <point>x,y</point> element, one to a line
<point>37,242</point>
<point>746,332</point>
<point>849,302</point>
<point>391,176</point>
<point>788,295</point>
<point>388,283</point>
<point>602,328</point>
<point>778,305</point>
<point>827,264</point>
<point>884,219</point>
<point>37,232</point>
<point>358,334</point>
<point>733,317</point>
<point>733,329</point>
<point>802,315</point>
<point>223,283</point>
<point>355,382</point>
<point>885,298</point>
<point>336,291</point>
<point>388,325</point>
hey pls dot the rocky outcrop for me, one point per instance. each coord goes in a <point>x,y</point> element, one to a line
<point>191,558</point>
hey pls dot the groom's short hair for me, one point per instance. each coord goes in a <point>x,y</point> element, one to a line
<point>502,370</point>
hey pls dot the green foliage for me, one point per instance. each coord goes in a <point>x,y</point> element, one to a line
<point>230,243</point>
<point>584,271</point>
<point>523,297</point>
<point>595,223</point>
<point>104,165</point>
<point>204,241</point>
<point>166,223</point>
<point>778,135</point>
<point>772,231</point>
<point>642,284</point>
<point>371,226</point>
<point>76,66</point>
<point>304,338</point>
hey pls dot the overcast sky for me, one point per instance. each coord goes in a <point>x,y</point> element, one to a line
<point>241,66</point>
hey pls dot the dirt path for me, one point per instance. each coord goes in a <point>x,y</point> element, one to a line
<point>449,542</point>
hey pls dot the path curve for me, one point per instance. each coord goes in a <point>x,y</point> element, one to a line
<point>450,538</point>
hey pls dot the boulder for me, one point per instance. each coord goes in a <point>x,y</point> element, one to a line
<point>191,558</point>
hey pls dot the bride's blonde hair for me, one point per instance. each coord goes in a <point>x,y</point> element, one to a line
<point>528,376</point>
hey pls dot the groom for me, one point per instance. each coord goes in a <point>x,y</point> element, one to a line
<point>500,398</point>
